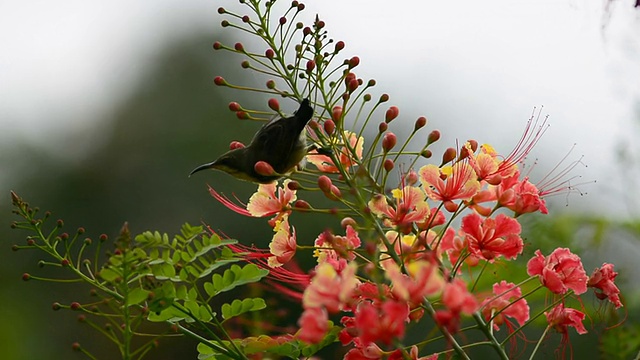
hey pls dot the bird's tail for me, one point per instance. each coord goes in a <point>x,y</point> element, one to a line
<point>304,112</point>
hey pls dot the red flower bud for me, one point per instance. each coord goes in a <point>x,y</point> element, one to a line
<point>389,141</point>
<point>269,54</point>
<point>271,84</point>
<point>388,165</point>
<point>300,7</point>
<point>76,346</point>
<point>433,137</point>
<point>473,144</point>
<point>274,104</point>
<point>334,193</point>
<point>383,127</point>
<point>246,19</point>
<point>319,24</point>
<point>239,47</point>
<point>283,20</point>
<point>411,178</point>
<point>217,45</point>
<point>234,106</point>
<point>329,126</point>
<point>293,185</point>
<point>56,306</point>
<point>426,154</point>
<point>448,155</point>
<point>264,168</point>
<point>313,125</point>
<point>353,85</point>
<point>26,277</point>
<point>306,31</point>
<point>75,305</point>
<point>420,123</point>
<point>64,262</point>
<point>220,81</point>
<point>336,113</point>
<point>339,46</point>
<point>242,115</point>
<point>310,66</point>
<point>221,10</point>
<point>353,62</point>
<point>391,114</point>
<point>235,145</point>
<point>324,183</point>
<point>301,205</point>
<point>383,98</point>
<point>371,83</point>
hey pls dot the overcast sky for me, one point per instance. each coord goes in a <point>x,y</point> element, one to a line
<point>481,64</point>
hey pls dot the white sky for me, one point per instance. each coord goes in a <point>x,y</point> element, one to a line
<point>481,65</point>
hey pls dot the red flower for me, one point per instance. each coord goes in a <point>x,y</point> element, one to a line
<point>506,293</point>
<point>460,183</point>
<point>383,323</point>
<point>283,245</point>
<point>560,318</point>
<point>331,289</point>
<point>348,156</point>
<point>491,238</point>
<point>314,324</point>
<point>560,271</point>
<point>602,279</point>
<point>410,207</point>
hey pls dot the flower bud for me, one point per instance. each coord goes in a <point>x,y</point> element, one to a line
<point>293,185</point>
<point>306,31</point>
<point>366,97</point>
<point>334,193</point>
<point>448,155</point>
<point>56,306</point>
<point>300,7</point>
<point>26,277</point>
<point>383,127</point>
<point>217,45</point>
<point>221,10</point>
<point>242,115</point>
<point>426,154</point>
<point>234,106</point>
<point>411,178</point>
<point>347,222</point>
<point>270,54</point>
<point>310,66</point>
<point>473,144</point>
<point>353,62</point>
<point>239,47</point>
<point>220,81</point>
<point>389,140</point>
<point>301,205</point>
<point>264,168</point>
<point>383,98</point>
<point>236,145</point>
<point>76,346</point>
<point>274,104</point>
<point>420,123</point>
<point>388,165</point>
<point>339,46</point>
<point>329,126</point>
<point>283,20</point>
<point>245,64</point>
<point>271,84</point>
<point>352,85</point>
<point>336,114</point>
<point>75,305</point>
<point>224,23</point>
<point>371,83</point>
<point>246,19</point>
<point>433,137</point>
<point>391,114</point>
<point>324,183</point>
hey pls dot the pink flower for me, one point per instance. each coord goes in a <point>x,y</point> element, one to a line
<point>331,289</point>
<point>559,272</point>
<point>506,293</point>
<point>381,324</point>
<point>602,279</point>
<point>424,279</point>
<point>283,245</point>
<point>269,200</point>
<point>314,323</point>
<point>370,351</point>
<point>410,207</point>
<point>560,318</point>
<point>458,299</point>
<point>333,248</point>
<point>348,156</point>
<point>460,183</point>
<point>491,238</point>
<point>521,196</point>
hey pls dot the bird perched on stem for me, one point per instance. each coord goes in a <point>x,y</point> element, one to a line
<point>281,143</point>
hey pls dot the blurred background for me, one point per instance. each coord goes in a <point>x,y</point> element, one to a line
<point>106,107</point>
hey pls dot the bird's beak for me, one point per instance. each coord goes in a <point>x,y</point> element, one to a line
<point>206,166</point>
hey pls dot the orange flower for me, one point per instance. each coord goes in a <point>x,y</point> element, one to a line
<point>457,182</point>
<point>346,156</point>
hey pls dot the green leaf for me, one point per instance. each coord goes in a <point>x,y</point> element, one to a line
<point>137,295</point>
<point>233,277</point>
<point>109,275</point>
<point>238,307</point>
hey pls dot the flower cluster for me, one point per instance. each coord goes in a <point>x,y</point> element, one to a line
<point>418,250</point>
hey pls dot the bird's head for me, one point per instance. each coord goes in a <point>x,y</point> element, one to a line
<point>233,162</point>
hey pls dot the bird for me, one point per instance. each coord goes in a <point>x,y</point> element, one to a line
<point>282,143</point>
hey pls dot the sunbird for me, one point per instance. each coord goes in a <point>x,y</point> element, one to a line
<point>282,143</point>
